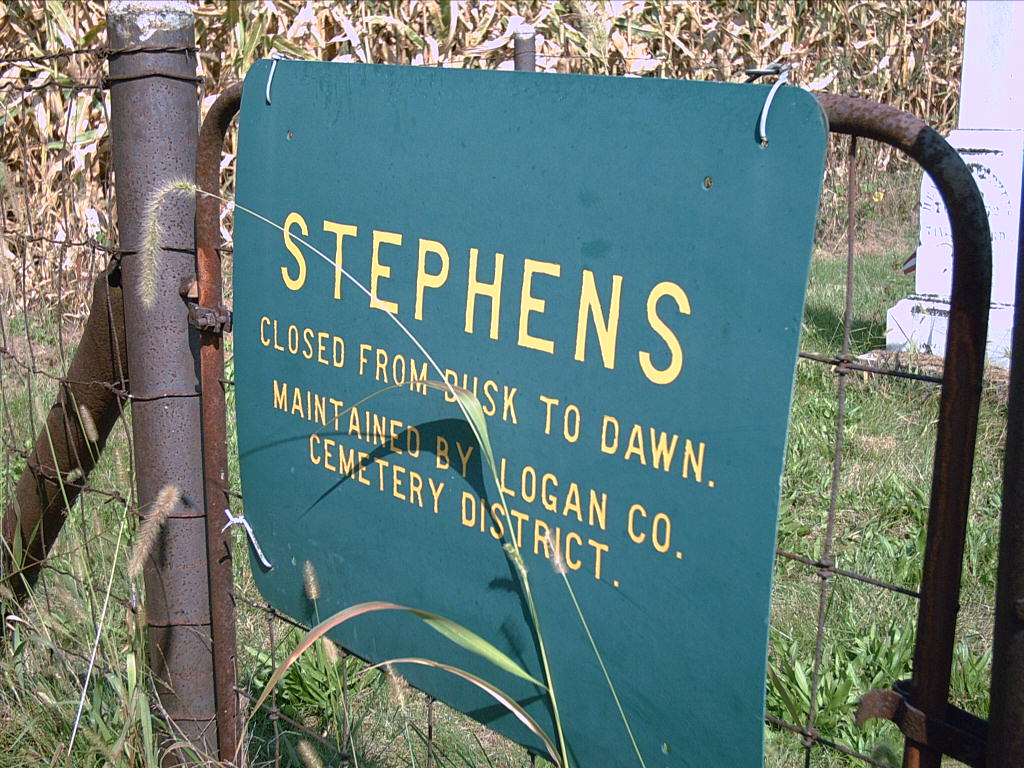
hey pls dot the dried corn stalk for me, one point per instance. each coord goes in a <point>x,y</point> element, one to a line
<point>55,186</point>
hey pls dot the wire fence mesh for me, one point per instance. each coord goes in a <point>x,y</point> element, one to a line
<point>86,619</point>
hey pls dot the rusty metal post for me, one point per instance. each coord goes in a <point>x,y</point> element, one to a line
<point>1006,717</point>
<point>92,389</point>
<point>955,441</point>
<point>154,128</point>
<point>215,457</point>
<point>525,49</point>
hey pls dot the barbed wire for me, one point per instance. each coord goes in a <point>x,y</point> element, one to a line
<point>101,52</point>
<point>15,84</point>
<point>46,57</point>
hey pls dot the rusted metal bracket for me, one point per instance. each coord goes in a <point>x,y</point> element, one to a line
<point>208,319</point>
<point>959,734</point>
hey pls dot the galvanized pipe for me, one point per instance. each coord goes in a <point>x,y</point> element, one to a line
<point>524,46</point>
<point>215,458</point>
<point>961,392</point>
<point>154,126</point>
<point>1006,716</point>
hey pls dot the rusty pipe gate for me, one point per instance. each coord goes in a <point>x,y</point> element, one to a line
<point>922,711</point>
<point>212,319</point>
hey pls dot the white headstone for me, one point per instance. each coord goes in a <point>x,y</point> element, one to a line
<point>991,141</point>
<point>992,83</point>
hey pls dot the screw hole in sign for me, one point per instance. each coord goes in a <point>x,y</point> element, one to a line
<point>708,182</point>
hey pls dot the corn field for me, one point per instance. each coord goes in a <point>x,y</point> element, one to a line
<point>55,172</point>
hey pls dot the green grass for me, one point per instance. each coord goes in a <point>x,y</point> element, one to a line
<point>881,514</point>
<point>890,431</point>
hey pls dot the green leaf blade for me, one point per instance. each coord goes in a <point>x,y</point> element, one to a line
<point>450,629</point>
<point>496,693</point>
<point>472,642</point>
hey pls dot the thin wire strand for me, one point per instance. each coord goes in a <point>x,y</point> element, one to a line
<point>824,574</point>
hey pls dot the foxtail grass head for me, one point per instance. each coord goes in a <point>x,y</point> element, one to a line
<point>397,686</point>
<point>330,651</point>
<point>154,234</point>
<point>311,581</point>
<point>166,502</point>
<point>310,757</point>
<point>88,424</point>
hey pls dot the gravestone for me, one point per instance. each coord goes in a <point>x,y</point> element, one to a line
<point>990,138</point>
<point>616,268</point>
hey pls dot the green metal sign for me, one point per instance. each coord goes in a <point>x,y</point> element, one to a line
<point>616,269</point>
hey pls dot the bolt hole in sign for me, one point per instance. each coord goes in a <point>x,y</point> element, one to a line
<point>616,269</point>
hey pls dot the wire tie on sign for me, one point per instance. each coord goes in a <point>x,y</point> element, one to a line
<point>782,70</point>
<point>275,57</point>
<point>240,520</point>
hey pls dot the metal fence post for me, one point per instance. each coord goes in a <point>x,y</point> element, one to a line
<point>525,49</point>
<point>154,128</point>
<point>1006,719</point>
